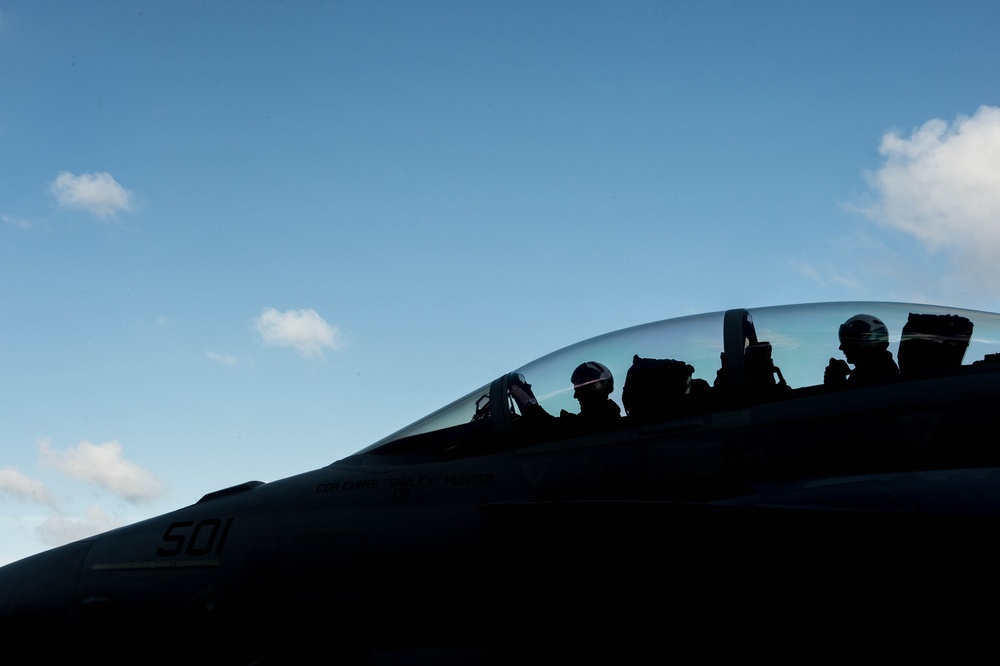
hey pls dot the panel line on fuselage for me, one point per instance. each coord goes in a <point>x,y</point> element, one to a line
<point>148,565</point>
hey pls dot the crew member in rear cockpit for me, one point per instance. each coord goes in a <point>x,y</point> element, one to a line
<point>864,339</point>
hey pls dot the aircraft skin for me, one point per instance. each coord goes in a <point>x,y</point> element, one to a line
<point>741,511</point>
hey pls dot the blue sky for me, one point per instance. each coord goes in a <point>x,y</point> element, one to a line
<point>240,240</point>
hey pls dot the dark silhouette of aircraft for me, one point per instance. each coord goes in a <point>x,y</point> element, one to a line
<point>738,508</point>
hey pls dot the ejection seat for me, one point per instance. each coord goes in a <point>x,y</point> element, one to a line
<point>656,388</point>
<point>931,342</point>
<point>747,366</point>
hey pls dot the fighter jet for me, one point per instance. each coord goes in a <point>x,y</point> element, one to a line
<point>725,483</point>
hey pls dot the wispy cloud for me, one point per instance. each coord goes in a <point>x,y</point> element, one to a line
<point>20,486</point>
<point>59,530</point>
<point>825,275</point>
<point>223,359</point>
<point>103,465</point>
<point>302,330</point>
<point>15,221</point>
<point>95,193</point>
<point>941,186</point>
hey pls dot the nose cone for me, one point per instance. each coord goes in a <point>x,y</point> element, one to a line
<point>41,589</point>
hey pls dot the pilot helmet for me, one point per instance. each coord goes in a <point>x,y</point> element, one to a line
<point>592,372</point>
<point>864,329</point>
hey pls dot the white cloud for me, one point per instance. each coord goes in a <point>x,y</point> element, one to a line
<point>57,530</point>
<point>105,466</point>
<point>96,193</point>
<point>13,482</point>
<point>941,186</point>
<point>302,330</point>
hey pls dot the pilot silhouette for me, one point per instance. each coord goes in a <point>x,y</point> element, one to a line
<point>592,386</point>
<point>864,339</point>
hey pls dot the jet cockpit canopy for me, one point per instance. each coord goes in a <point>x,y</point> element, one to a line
<point>734,355</point>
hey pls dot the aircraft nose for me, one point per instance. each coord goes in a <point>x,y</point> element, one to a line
<point>41,588</point>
